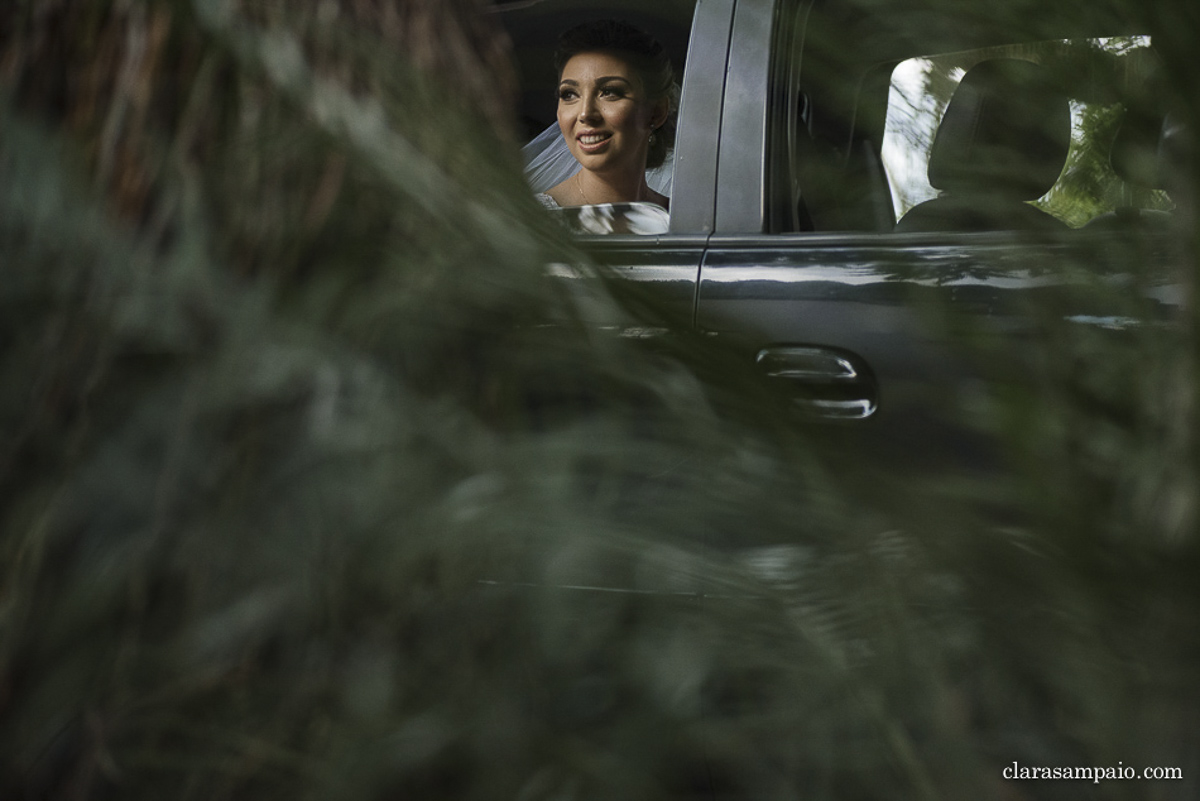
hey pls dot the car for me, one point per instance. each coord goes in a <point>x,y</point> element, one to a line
<point>860,188</point>
<point>906,220</point>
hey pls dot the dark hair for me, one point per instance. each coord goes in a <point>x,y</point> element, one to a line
<point>644,54</point>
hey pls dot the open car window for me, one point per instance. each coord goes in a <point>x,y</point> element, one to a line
<point>534,28</point>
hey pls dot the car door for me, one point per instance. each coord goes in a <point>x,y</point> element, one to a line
<point>868,328</point>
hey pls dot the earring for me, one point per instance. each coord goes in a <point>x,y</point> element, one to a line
<point>653,139</point>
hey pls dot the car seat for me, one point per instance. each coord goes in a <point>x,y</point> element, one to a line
<point>1139,157</point>
<point>1002,141</point>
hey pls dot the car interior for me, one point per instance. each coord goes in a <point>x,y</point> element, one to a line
<point>1001,143</point>
<point>1141,158</point>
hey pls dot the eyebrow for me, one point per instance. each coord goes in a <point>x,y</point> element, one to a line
<point>603,79</point>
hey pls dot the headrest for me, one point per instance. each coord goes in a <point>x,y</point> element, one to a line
<point>1006,131</point>
<point>1144,151</point>
<point>1136,153</point>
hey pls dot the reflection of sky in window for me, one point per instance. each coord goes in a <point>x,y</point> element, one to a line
<point>916,102</point>
<point>912,119</point>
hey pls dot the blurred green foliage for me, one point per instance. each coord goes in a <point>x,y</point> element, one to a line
<point>305,471</point>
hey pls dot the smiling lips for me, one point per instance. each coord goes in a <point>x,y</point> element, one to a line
<point>592,141</point>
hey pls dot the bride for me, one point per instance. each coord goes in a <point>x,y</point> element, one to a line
<point>615,114</point>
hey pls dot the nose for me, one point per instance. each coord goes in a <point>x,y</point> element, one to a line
<point>588,108</point>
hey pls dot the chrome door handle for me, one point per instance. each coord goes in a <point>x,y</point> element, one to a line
<point>821,381</point>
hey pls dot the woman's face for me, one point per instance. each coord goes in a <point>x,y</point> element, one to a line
<point>604,113</point>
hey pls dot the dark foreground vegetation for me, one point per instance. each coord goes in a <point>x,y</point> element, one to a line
<point>299,456</point>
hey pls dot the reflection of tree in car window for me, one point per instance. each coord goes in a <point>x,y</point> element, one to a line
<point>921,90</point>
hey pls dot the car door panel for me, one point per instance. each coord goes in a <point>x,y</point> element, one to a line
<point>901,313</point>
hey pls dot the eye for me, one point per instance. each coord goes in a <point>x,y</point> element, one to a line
<point>612,92</point>
<point>566,94</point>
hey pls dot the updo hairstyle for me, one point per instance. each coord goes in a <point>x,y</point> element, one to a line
<point>644,54</point>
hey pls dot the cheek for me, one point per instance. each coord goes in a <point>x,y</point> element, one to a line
<point>625,119</point>
<point>566,124</point>
<point>638,118</point>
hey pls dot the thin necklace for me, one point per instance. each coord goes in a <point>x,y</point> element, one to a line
<point>579,188</point>
<point>582,194</point>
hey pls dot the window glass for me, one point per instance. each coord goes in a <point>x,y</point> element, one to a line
<point>1102,75</point>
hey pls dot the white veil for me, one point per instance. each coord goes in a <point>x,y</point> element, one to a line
<point>548,162</point>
